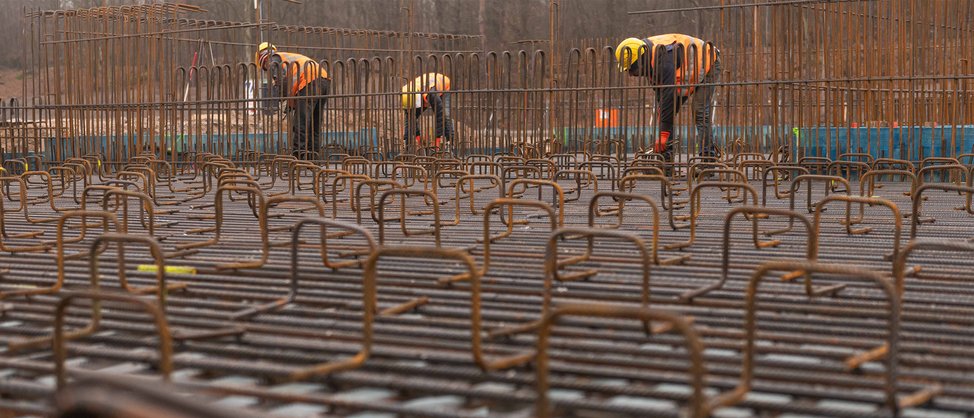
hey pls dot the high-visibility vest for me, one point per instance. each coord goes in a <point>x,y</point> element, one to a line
<point>704,59</point>
<point>300,70</point>
<point>423,84</point>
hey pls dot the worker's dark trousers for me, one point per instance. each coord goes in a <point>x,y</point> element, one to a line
<point>703,103</point>
<point>306,124</point>
<point>441,109</point>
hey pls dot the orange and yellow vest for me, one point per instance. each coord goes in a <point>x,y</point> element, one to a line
<point>425,83</point>
<point>300,70</point>
<point>704,59</point>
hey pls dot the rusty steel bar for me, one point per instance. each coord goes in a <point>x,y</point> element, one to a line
<point>117,109</point>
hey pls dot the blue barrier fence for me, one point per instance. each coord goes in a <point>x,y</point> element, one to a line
<point>876,141</point>
<point>934,141</point>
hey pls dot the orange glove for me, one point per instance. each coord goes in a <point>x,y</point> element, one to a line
<point>660,145</point>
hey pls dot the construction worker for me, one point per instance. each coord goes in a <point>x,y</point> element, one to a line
<point>305,84</point>
<point>666,61</point>
<point>428,91</point>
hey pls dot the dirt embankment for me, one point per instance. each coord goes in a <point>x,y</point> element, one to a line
<point>12,84</point>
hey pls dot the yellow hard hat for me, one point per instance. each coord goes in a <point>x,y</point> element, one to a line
<point>628,52</point>
<point>264,50</point>
<point>411,100</point>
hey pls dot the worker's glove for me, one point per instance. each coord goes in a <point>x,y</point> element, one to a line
<point>662,144</point>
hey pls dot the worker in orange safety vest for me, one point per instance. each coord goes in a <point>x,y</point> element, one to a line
<point>428,91</point>
<point>305,83</point>
<point>681,61</point>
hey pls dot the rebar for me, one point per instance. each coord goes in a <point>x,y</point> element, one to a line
<point>252,275</point>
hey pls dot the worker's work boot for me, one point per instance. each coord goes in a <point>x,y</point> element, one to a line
<point>711,151</point>
<point>784,154</point>
<point>668,151</point>
<point>784,157</point>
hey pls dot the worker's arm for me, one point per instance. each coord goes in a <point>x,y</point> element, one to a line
<point>276,70</point>
<point>665,75</point>
<point>436,102</point>
<point>411,124</point>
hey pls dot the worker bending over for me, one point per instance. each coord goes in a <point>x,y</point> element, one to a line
<point>428,91</point>
<point>305,84</point>
<point>666,61</point>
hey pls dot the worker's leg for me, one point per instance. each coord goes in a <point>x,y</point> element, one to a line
<point>438,104</point>
<point>411,126</point>
<point>407,126</point>
<point>299,121</point>
<point>322,87</point>
<point>703,112</point>
<point>301,124</point>
<point>448,129</point>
